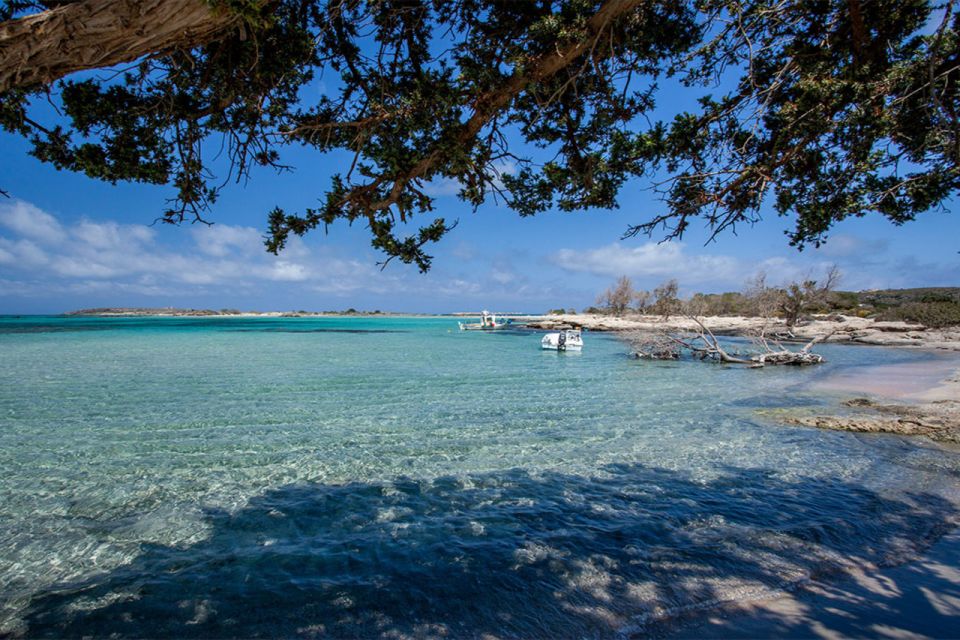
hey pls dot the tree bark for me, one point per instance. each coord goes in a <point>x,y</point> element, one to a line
<point>44,47</point>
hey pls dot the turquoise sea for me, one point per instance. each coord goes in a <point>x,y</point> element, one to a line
<point>393,477</point>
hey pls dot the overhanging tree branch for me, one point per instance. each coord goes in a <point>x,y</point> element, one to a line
<point>492,103</point>
<point>835,109</point>
<point>93,34</point>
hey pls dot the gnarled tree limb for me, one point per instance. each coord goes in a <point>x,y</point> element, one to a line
<point>46,46</point>
<point>704,345</point>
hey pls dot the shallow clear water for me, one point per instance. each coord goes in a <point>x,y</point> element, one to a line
<point>395,477</point>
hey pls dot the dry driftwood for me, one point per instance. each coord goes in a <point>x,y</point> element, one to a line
<point>704,345</point>
<point>654,346</point>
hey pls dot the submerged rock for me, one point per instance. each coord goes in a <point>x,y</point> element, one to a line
<point>938,421</point>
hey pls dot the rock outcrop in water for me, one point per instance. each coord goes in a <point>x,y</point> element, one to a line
<point>938,420</point>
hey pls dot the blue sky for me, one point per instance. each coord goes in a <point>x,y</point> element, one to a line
<point>69,242</point>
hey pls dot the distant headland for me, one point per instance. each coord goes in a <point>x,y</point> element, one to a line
<point>177,312</point>
<point>190,312</point>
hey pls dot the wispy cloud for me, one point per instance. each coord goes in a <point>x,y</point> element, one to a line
<point>42,255</point>
<point>865,265</point>
<point>651,260</point>
<point>30,222</point>
<point>46,257</point>
<point>86,254</point>
<point>844,246</point>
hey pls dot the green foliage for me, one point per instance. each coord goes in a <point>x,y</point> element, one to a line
<point>883,299</point>
<point>843,109</point>
<point>931,306</point>
<point>731,303</point>
<point>929,314</point>
<point>839,108</point>
<point>843,300</point>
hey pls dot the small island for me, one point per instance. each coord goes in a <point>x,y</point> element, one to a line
<point>175,312</point>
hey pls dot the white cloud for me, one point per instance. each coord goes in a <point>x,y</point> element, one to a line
<point>28,221</point>
<point>464,251</point>
<point>23,252</point>
<point>651,262</point>
<point>665,260</point>
<point>110,235</point>
<point>288,271</point>
<point>77,267</point>
<point>502,276</point>
<point>440,187</point>
<point>864,264</point>
<point>221,240</point>
<point>112,261</point>
<point>93,257</point>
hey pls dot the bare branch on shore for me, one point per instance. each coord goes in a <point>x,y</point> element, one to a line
<point>702,344</point>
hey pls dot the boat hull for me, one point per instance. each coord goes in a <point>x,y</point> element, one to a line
<point>478,327</point>
<point>562,341</point>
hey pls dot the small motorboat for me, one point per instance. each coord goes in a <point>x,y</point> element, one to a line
<point>488,322</point>
<point>566,340</point>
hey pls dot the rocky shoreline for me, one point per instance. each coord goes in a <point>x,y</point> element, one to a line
<point>834,328</point>
<point>939,421</point>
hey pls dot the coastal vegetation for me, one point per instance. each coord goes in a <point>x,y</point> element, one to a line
<point>935,313</point>
<point>820,111</point>
<point>792,302</point>
<point>769,318</point>
<point>622,298</point>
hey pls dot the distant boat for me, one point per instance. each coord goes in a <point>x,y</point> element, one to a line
<point>488,322</point>
<point>566,340</point>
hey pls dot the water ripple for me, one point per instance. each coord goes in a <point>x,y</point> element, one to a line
<point>398,478</point>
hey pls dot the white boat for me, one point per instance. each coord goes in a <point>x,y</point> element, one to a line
<point>566,340</point>
<point>488,322</point>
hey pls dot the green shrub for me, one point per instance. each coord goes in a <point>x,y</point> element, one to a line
<point>929,314</point>
<point>843,300</point>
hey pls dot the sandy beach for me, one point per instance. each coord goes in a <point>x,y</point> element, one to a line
<point>912,399</point>
<point>929,380</point>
